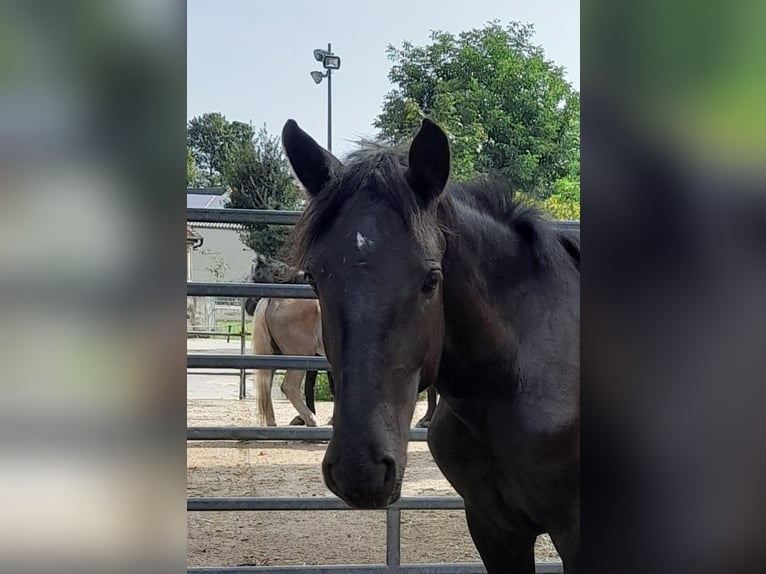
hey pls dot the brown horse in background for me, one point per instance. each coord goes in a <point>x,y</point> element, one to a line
<point>268,270</point>
<point>291,327</point>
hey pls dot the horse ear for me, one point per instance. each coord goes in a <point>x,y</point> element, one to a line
<point>572,246</point>
<point>429,162</point>
<point>312,164</point>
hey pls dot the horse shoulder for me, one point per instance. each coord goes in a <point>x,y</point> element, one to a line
<point>464,459</point>
<point>469,460</point>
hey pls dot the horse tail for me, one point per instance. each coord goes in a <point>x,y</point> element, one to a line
<point>262,345</point>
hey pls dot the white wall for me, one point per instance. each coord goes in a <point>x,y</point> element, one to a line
<point>227,244</point>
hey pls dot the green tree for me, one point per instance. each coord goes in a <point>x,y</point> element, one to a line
<point>506,107</point>
<point>251,165</point>
<point>214,141</point>
<point>564,202</point>
<point>192,171</point>
<point>260,178</point>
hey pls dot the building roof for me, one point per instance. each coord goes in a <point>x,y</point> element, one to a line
<point>213,190</point>
<point>210,198</point>
<point>218,225</point>
<point>206,197</point>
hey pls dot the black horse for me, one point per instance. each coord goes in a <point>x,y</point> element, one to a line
<point>457,286</point>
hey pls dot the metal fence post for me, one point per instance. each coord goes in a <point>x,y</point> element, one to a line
<point>242,372</point>
<point>393,538</point>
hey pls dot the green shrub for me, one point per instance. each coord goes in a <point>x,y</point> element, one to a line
<point>322,389</point>
<point>559,207</point>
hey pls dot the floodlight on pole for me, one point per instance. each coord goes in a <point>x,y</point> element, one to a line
<point>330,62</point>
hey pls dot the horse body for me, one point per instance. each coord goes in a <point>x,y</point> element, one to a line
<point>452,286</point>
<point>267,270</point>
<point>291,327</point>
<point>506,431</point>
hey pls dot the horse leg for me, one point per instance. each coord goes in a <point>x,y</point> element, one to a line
<point>311,381</point>
<point>331,382</point>
<point>308,389</point>
<point>291,387</point>
<point>567,543</point>
<point>425,422</point>
<point>263,382</point>
<point>264,378</point>
<point>500,551</point>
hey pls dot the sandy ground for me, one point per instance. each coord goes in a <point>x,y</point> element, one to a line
<point>293,469</point>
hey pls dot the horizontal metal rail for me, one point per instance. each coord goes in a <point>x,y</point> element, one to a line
<point>217,373</point>
<point>456,568</point>
<point>220,504</point>
<point>287,290</point>
<point>393,525</point>
<point>244,216</point>
<point>274,290</point>
<point>236,334</point>
<point>567,225</point>
<point>318,434</point>
<point>466,568</point>
<point>199,361</point>
<point>280,217</point>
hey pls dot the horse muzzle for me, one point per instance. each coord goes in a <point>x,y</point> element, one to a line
<point>361,481</point>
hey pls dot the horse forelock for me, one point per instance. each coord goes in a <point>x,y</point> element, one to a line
<point>375,170</point>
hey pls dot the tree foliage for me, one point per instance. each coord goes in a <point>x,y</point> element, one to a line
<point>260,178</point>
<point>564,202</point>
<point>218,266</point>
<point>214,141</point>
<point>251,165</point>
<point>193,178</point>
<point>506,107</point>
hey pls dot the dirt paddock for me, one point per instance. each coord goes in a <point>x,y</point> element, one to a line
<point>271,469</point>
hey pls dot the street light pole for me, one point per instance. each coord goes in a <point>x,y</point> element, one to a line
<point>330,62</point>
<point>329,103</point>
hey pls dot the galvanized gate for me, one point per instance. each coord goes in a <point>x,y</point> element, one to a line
<point>393,513</point>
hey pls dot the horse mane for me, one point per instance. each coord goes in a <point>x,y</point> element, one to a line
<point>380,171</point>
<point>494,196</point>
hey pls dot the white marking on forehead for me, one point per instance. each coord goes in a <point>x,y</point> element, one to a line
<point>361,240</point>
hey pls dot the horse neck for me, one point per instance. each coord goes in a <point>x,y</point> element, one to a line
<point>494,289</point>
<point>480,257</point>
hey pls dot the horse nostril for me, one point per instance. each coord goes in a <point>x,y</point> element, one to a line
<point>390,477</point>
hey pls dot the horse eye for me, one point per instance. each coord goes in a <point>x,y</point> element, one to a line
<point>431,282</point>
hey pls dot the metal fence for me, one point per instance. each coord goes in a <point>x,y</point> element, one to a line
<point>242,362</point>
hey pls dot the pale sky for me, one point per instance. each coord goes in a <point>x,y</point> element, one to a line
<point>250,59</point>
